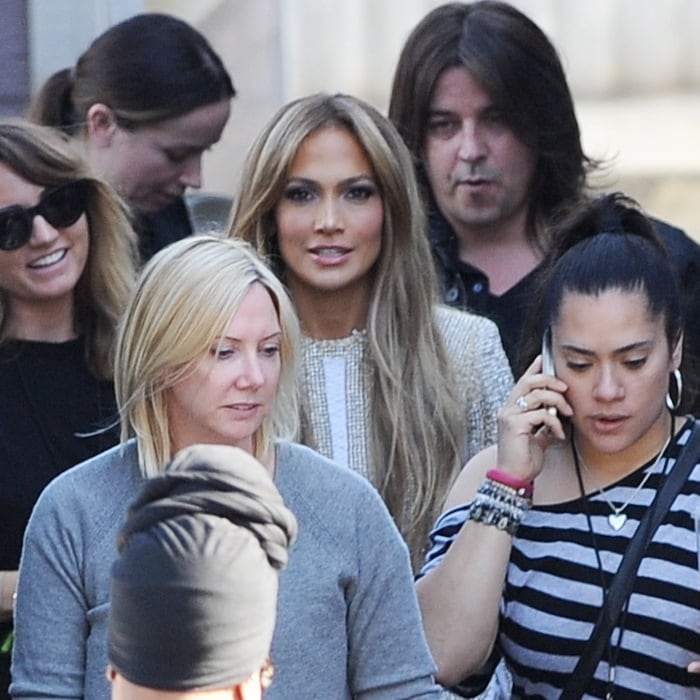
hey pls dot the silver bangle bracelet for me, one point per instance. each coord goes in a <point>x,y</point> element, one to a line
<point>504,494</point>
<point>500,506</point>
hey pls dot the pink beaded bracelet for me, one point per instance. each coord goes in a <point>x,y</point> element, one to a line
<point>524,488</point>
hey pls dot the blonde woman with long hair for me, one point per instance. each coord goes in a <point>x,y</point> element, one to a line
<point>394,386</point>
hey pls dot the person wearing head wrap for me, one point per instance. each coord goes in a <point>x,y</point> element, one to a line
<point>194,588</point>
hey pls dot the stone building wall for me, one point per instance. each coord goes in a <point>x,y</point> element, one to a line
<point>634,68</point>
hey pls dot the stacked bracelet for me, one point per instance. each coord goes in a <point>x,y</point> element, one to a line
<point>499,505</point>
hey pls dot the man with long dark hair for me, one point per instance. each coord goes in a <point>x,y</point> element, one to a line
<point>481,99</point>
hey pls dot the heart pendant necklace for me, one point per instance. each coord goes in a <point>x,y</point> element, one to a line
<point>616,520</point>
<point>618,517</point>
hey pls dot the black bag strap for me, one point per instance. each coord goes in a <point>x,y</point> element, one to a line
<point>622,582</point>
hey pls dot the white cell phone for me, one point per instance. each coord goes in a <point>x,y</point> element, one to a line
<point>548,362</point>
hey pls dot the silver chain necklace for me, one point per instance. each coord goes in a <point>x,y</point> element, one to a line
<point>618,517</point>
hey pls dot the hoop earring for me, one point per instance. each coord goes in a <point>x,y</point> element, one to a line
<point>670,403</point>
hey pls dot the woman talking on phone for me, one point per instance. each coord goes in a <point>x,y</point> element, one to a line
<point>585,509</point>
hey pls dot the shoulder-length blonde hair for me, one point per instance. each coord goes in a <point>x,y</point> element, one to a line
<point>417,431</point>
<point>45,158</point>
<point>183,301</point>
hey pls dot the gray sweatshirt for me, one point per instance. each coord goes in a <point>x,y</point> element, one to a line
<point>348,623</point>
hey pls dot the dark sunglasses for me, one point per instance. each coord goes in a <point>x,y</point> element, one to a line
<point>61,206</point>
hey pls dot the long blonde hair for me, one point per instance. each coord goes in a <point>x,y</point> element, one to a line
<point>43,157</point>
<point>417,430</point>
<point>184,298</point>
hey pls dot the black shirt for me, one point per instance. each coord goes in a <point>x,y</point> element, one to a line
<point>507,310</point>
<point>155,231</point>
<point>50,409</point>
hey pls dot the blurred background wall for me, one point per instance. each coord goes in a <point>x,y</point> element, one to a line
<point>634,68</point>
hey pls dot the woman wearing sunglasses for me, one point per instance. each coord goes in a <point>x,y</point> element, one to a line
<point>66,267</point>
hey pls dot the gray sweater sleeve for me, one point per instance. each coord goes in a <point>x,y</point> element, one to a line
<point>495,381</point>
<point>388,654</point>
<point>63,588</point>
<point>50,614</point>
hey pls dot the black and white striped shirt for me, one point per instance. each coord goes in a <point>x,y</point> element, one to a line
<point>553,590</point>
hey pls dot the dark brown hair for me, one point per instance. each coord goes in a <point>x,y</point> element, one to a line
<point>518,67</point>
<point>146,69</point>
<point>603,244</point>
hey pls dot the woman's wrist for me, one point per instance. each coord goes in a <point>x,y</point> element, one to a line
<point>523,487</point>
<point>499,505</point>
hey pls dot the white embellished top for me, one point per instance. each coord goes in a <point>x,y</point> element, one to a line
<point>335,385</point>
